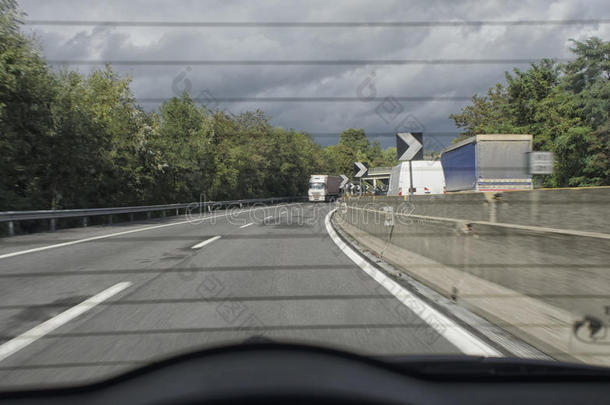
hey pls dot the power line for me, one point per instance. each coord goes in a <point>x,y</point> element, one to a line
<point>310,99</point>
<point>299,62</point>
<point>329,24</point>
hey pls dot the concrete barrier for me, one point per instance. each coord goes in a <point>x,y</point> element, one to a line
<point>548,283</point>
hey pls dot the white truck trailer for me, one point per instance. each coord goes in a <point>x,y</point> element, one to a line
<point>323,187</point>
<point>428,178</point>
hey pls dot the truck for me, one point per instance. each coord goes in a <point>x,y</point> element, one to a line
<point>490,162</point>
<point>323,187</point>
<point>428,178</point>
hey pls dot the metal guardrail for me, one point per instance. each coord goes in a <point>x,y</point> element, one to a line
<point>53,215</point>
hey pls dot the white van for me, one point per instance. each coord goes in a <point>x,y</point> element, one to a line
<point>428,178</point>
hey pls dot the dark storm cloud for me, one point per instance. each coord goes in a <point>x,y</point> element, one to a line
<point>306,43</point>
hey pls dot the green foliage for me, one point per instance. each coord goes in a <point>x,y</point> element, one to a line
<point>71,141</point>
<point>184,145</point>
<point>571,152</point>
<point>354,146</point>
<point>26,93</point>
<point>488,114</point>
<point>355,139</point>
<point>565,107</point>
<point>340,159</point>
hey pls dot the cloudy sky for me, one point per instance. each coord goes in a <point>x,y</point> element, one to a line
<point>381,98</point>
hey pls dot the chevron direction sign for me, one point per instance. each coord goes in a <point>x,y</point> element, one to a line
<point>360,169</point>
<point>410,146</point>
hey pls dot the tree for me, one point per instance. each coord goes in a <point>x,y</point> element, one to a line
<point>26,91</point>
<point>591,65</point>
<point>487,114</point>
<point>355,139</point>
<point>565,107</point>
<point>185,146</point>
<point>526,90</point>
<point>70,140</point>
<point>340,159</point>
<point>354,146</point>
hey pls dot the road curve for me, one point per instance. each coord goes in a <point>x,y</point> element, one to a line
<point>191,284</point>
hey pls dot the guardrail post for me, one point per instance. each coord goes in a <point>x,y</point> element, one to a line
<point>177,211</point>
<point>162,213</point>
<point>131,217</point>
<point>148,215</point>
<point>84,222</point>
<point>109,219</point>
<point>52,224</point>
<point>11,228</point>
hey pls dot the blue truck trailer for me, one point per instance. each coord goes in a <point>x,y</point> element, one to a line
<point>491,162</point>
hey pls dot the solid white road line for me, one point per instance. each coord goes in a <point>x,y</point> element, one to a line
<point>74,242</point>
<point>205,242</point>
<point>446,327</point>
<point>244,226</point>
<point>32,335</point>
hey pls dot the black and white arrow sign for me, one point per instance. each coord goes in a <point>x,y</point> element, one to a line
<point>344,181</point>
<point>360,169</point>
<point>409,146</point>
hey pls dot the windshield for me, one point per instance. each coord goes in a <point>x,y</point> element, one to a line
<point>156,163</point>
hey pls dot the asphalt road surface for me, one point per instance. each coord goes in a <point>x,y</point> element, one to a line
<point>132,293</point>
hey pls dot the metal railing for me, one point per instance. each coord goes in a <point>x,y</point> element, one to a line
<point>53,215</point>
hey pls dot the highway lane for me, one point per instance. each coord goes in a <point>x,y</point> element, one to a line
<point>277,274</point>
<point>58,277</point>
